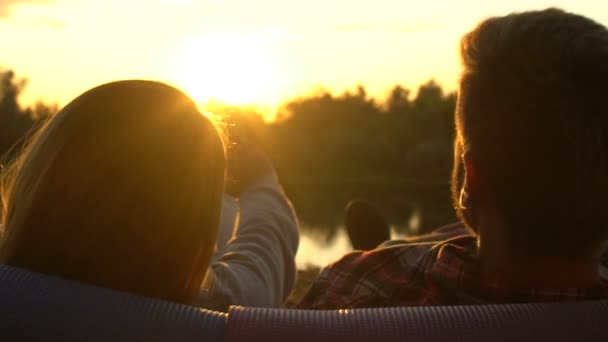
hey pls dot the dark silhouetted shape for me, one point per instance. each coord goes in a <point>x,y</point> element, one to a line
<point>366,227</point>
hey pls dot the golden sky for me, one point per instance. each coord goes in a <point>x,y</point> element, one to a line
<point>245,51</point>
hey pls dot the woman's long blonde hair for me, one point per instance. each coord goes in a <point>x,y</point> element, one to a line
<point>122,189</point>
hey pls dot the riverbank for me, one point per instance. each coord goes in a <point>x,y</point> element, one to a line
<point>305,279</point>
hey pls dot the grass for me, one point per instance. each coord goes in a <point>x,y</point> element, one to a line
<point>304,280</point>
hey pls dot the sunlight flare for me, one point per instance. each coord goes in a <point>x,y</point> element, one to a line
<point>228,68</point>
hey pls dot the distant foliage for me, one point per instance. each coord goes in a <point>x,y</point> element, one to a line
<point>329,149</point>
<point>17,122</point>
<point>351,136</point>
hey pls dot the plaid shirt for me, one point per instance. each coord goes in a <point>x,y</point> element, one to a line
<point>425,273</point>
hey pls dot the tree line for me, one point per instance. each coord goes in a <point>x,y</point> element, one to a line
<point>328,149</point>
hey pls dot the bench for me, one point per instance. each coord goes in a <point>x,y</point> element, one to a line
<point>38,307</point>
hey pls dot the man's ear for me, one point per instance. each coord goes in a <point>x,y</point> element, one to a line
<point>470,168</point>
<point>471,182</point>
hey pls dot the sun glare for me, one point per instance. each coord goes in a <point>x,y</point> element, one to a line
<point>232,69</point>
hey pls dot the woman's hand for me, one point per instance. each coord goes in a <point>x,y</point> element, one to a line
<point>247,164</point>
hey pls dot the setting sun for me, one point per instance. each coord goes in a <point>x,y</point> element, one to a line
<point>232,69</point>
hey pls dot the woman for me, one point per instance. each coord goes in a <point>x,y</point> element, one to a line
<point>121,189</point>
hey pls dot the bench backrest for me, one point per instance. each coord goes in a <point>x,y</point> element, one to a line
<point>37,307</point>
<point>547,322</point>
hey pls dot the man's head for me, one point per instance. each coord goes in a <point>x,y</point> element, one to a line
<point>532,132</point>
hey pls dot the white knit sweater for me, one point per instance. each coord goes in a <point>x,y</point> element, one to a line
<point>256,266</point>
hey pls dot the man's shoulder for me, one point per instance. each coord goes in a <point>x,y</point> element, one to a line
<point>364,278</point>
<point>375,278</point>
<point>372,261</point>
<point>399,257</point>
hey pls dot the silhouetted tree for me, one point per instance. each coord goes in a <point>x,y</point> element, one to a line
<point>16,122</point>
<point>398,102</point>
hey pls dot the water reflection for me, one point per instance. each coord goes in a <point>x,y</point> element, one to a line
<point>314,249</point>
<point>318,249</point>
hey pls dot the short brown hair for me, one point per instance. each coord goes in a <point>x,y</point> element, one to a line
<point>533,112</point>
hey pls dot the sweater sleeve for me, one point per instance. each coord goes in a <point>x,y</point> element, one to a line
<point>228,219</point>
<point>257,266</point>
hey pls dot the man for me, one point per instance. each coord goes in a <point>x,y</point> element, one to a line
<point>530,180</point>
